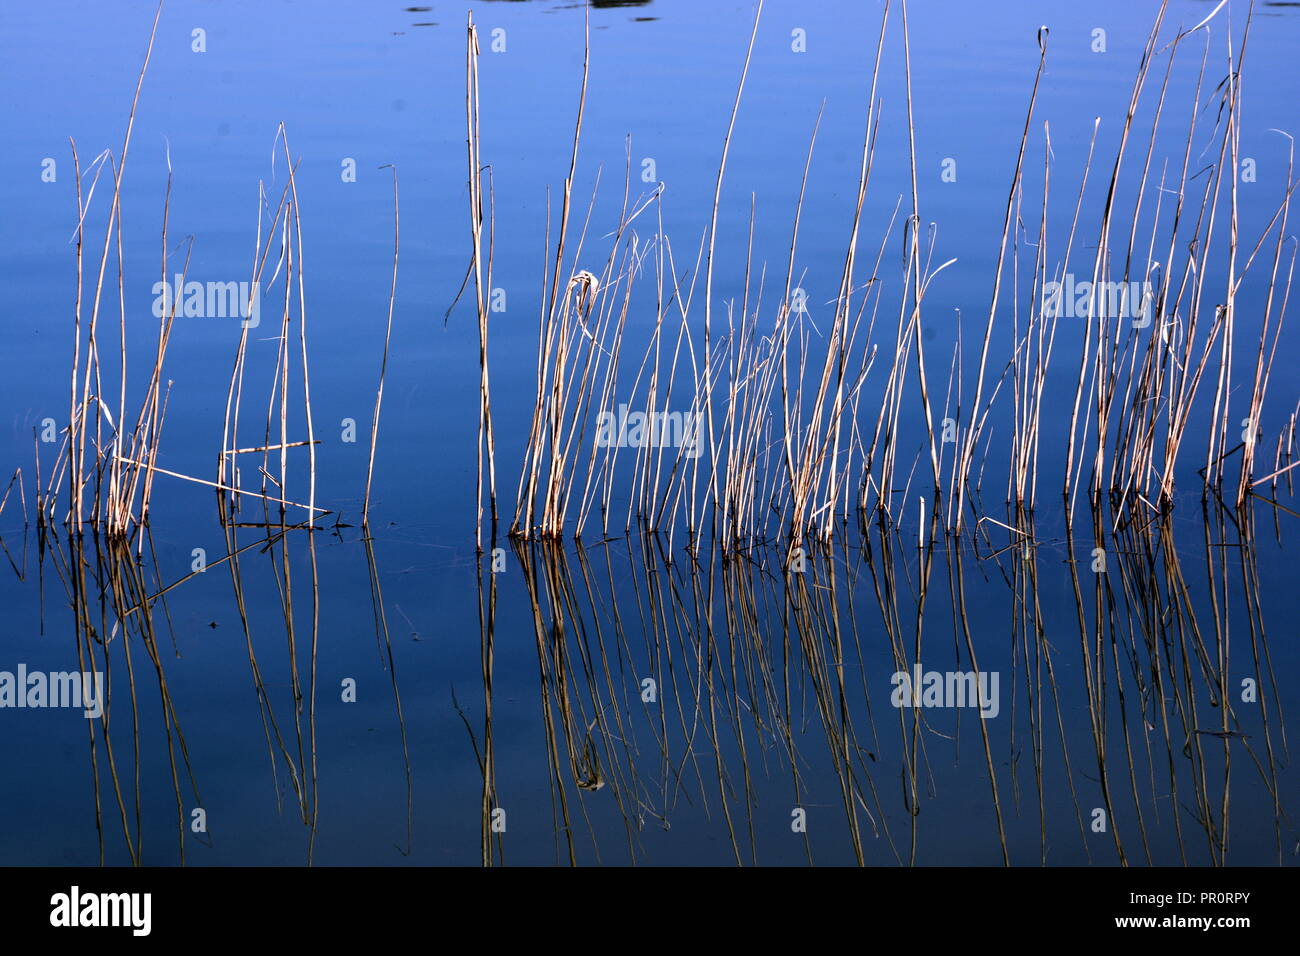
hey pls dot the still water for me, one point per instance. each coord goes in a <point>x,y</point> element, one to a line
<point>344,697</point>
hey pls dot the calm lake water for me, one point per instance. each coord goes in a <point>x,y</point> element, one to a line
<point>340,698</point>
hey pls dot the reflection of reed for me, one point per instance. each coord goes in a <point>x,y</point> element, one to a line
<point>487,616</point>
<point>757,702</point>
<point>20,566</point>
<point>301,772</point>
<point>381,630</point>
<point>113,606</point>
<point>747,660</point>
<point>119,607</point>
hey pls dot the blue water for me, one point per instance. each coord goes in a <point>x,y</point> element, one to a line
<point>383,84</point>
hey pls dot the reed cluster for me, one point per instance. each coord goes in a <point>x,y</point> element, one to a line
<point>806,420</point>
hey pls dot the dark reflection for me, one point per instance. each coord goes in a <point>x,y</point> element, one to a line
<point>727,694</point>
<point>725,686</point>
<point>125,632</point>
<point>112,593</point>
